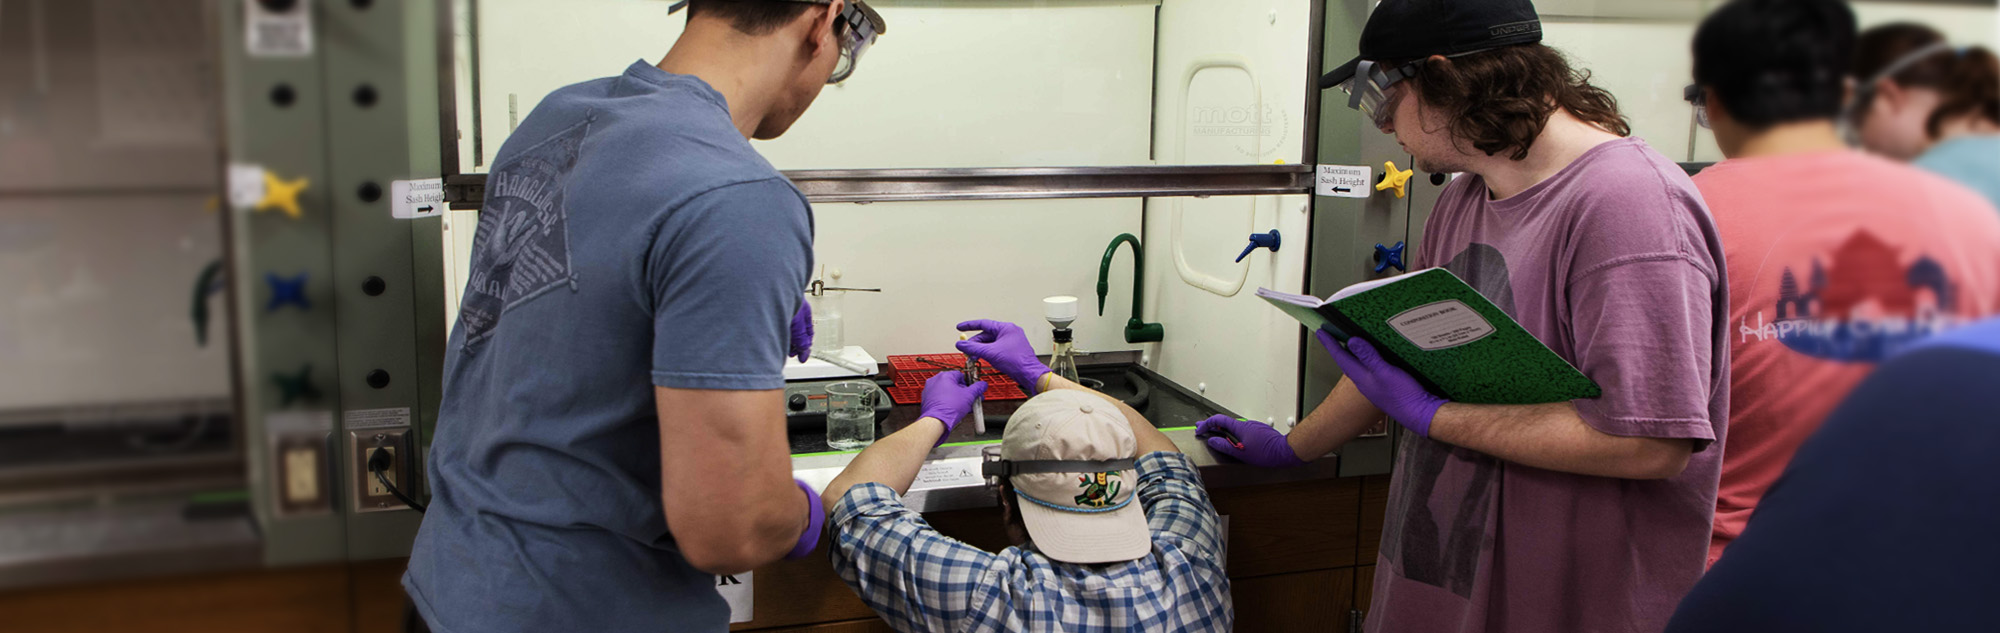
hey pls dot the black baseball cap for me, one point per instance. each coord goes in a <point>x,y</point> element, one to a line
<point>1415,29</point>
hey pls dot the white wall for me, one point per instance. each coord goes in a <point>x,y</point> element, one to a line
<point>995,83</point>
<point>985,84</point>
<point>1641,54</point>
<point>1645,64</point>
<point>989,84</point>
<point>98,317</point>
<point>529,48</point>
<point>1010,83</point>
<point>1238,350</point>
<point>942,263</point>
<point>1963,24</point>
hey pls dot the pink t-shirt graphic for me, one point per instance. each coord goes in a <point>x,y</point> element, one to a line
<point>1836,260</point>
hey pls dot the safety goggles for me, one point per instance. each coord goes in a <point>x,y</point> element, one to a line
<point>863,26</point>
<point>859,26</point>
<point>1698,98</point>
<point>998,470</point>
<point>1374,89</point>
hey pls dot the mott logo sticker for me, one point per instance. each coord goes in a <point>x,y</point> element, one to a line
<point>1344,181</point>
<point>1436,326</point>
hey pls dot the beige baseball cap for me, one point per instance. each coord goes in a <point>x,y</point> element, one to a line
<point>1075,516</point>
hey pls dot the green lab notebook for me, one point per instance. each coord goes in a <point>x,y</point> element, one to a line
<point>1454,341</point>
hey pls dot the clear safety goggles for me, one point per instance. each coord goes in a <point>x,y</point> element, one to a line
<point>1698,98</point>
<point>1374,91</point>
<point>863,26</point>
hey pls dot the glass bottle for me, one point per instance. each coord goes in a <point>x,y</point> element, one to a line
<point>828,334</point>
<point>1063,360</point>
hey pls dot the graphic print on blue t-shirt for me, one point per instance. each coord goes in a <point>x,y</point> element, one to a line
<point>1859,302</point>
<point>522,247</point>
<point>1411,536</point>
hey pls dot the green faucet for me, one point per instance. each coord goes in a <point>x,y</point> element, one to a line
<point>1136,330</point>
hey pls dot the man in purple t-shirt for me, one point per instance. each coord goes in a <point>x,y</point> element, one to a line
<point>1589,515</point>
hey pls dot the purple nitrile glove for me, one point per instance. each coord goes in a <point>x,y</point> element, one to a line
<point>1253,443</point>
<point>1388,386</point>
<point>1005,346</point>
<point>802,331</point>
<point>815,521</point>
<point>947,398</point>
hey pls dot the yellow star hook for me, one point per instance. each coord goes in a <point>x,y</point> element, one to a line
<point>282,195</point>
<point>1393,179</point>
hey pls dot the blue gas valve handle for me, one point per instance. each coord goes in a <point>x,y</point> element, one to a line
<point>1386,256</point>
<point>1260,240</point>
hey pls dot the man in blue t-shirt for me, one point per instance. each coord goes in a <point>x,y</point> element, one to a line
<point>611,435</point>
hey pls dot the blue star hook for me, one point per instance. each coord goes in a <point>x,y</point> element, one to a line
<point>1386,256</point>
<point>283,291</point>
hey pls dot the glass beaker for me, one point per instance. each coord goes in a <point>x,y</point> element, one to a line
<point>850,415</point>
<point>827,335</point>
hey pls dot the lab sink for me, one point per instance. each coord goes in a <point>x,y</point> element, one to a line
<point>1162,402</point>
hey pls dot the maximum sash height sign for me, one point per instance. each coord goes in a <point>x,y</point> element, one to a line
<point>1344,181</point>
<point>412,199</point>
<point>281,29</point>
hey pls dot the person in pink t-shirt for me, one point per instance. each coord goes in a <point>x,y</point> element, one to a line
<point>1585,515</point>
<point>1836,258</point>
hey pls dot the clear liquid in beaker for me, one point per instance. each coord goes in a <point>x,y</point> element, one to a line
<point>827,334</point>
<point>850,430</point>
<point>850,415</point>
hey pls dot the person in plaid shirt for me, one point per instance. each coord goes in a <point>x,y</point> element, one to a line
<point>1122,536</point>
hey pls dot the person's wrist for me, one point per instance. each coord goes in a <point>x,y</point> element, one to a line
<point>815,522</point>
<point>1422,415</point>
<point>1034,377</point>
<point>1292,451</point>
<point>942,430</point>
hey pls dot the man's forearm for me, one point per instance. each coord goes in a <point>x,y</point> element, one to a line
<point>1343,416</point>
<point>1149,437</point>
<point>892,461</point>
<point>1555,437</point>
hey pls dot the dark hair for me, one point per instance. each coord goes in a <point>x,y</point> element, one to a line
<point>1502,98</point>
<point>1776,61</point>
<point>1011,505</point>
<point>753,17</point>
<point>1969,78</point>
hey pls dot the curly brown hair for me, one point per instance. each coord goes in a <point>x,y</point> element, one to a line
<point>1499,100</point>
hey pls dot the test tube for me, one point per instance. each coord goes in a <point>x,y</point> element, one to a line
<point>971,376</point>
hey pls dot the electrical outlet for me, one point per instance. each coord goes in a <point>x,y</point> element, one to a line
<point>370,495</point>
<point>375,488</point>
<point>301,475</point>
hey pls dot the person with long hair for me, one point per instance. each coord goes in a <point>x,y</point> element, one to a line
<point>1921,99</point>
<point>1581,515</point>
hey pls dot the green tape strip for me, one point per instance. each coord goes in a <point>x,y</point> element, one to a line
<point>979,443</point>
<point>824,453</point>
